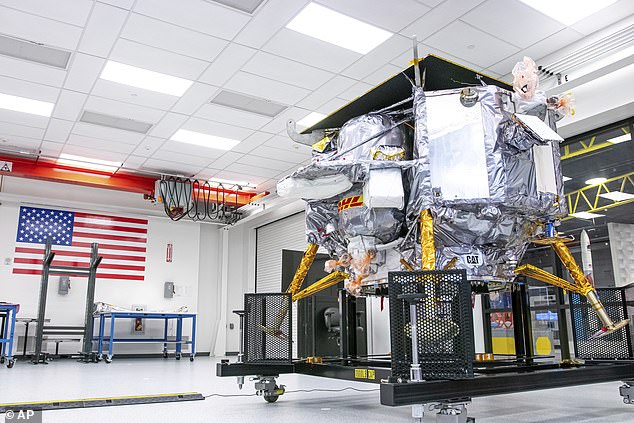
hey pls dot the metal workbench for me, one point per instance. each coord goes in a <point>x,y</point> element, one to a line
<point>111,339</point>
<point>7,332</point>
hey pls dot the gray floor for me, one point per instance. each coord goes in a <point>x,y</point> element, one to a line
<point>69,380</point>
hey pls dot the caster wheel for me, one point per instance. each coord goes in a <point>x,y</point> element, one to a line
<point>10,363</point>
<point>1,360</point>
<point>626,401</point>
<point>178,356</point>
<point>107,359</point>
<point>164,354</point>
<point>271,398</point>
<point>191,358</point>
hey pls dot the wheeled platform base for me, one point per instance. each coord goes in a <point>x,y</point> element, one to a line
<point>454,411</point>
<point>627,391</point>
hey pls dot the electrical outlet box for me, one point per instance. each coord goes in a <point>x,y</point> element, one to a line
<point>168,290</point>
<point>64,285</point>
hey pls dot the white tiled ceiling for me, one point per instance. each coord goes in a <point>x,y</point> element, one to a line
<point>218,47</point>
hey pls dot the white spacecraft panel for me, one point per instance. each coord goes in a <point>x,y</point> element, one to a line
<point>457,148</point>
<point>384,189</point>
<point>539,128</point>
<point>545,168</point>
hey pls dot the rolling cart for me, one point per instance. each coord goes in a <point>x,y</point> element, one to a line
<point>8,311</point>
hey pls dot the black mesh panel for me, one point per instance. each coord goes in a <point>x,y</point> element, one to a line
<point>444,324</point>
<point>267,328</point>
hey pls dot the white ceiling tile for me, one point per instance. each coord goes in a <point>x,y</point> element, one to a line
<point>102,29</point>
<point>605,17</point>
<point>538,50</point>
<point>33,72</point>
<point>99,144</point>
<point>404,60</point>
<point>27,89</point>
<point>257,139</point>
<point>192,160</point>
<point>430,3</point>
<point>274,15</point>
<point>9,128</point>
<point>231,175</point>
<point>496,18</point>
<point>382,74</point>
<point>285,143</point>
<point>49,148</point>
<point>332,106</point>
<point>84,71</point>
<point>471,44</point>
<point>74,12</point>
<point>58,130</point>
<point>14,141</point>
<point>176,39</point>
<point>387,51</point>
<point>39,29</point>
<point>209,154</point>
<point>196,15</point>
<point>357,90</point>
<point>225,160</point>
<point>266,88</point>
<point>309,50</point>
<point>69,104</point>
<point>291,156</point>
<point>26,119</point>
<point>218,129</point>
<point>148,146</point>
<point>168,125</point>
<point>279,123</point>
<point>439,17</point>
<point>137,96</point>
<point>227,64</point>
<point>134,162</point>
<point>285,70</point>
<point>207,173</point>
<point>385,14</point>
<point>120,109</point>
<point>197,95</point>
<point>251,170</point>
<point>105,133</point>
<point>172,168</point>
<point>157,60</point>
<point>232,116</point>
<point>326,92</point>
<point>93,153</point>
<point>263,162</point>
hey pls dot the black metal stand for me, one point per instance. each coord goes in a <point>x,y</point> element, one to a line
<point>49,269</point>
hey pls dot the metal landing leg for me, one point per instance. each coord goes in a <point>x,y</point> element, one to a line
<point>267,387</point>
<point>447,412</point>
<point>627,391</point>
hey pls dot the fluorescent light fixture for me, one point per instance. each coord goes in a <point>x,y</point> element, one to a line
<point>310,120</point>
<point>228,182</point>
<point>88,163</point>
<point>248,103</point>
<point>145,79</point>
<point>204,140</point>
<point>568,11</point>
<point>336,28</point>
<point>596,181</point>
<point>26,105</point>
<point>586,215</point>
<point>617,196</point>
<point>566,179</point>
<point>33,52</point>
<point>620,139</point>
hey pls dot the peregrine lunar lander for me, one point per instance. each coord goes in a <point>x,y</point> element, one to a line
<point>424,190</point>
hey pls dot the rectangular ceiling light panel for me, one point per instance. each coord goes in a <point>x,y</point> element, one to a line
<point>336,28</point>
<point>568,11</point>
<point>248,103</point>
<point>617,196</point>
<point>620,139</point>
<point>310,120</point>
<point>115,122</point>
<point>586,215</point>
<point>34,52</point>
<point>204,140</point>
<point>145,79</point>
<point>26,105</point>
<point>248,6</point>
<point>88,163</point>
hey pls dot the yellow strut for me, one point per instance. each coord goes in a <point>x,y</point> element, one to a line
<point>428,250</point>
<point>302,269</point>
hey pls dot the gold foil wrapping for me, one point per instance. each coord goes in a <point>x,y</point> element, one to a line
<point>451,264</point>
<point>302,269</point>
<point>575,271</point>
<point>325,282</point>
<point>544,276</point>
<point>428,249</point>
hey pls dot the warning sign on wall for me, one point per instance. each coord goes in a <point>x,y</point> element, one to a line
<point>6,166</point>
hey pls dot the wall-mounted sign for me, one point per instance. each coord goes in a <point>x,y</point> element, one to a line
<point>168,254</point>
<point>6,166</point>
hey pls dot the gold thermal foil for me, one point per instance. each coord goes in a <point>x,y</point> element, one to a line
<point>326,282</point>
<point>428,256</point>
<point>575,271</point>
<point>302,269</point>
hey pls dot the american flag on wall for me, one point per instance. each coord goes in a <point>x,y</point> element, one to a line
<point>122,242</point>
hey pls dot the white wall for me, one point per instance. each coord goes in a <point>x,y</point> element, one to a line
<point>195,268</point>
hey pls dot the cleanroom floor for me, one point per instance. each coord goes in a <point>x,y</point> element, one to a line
<point>67,379</point>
